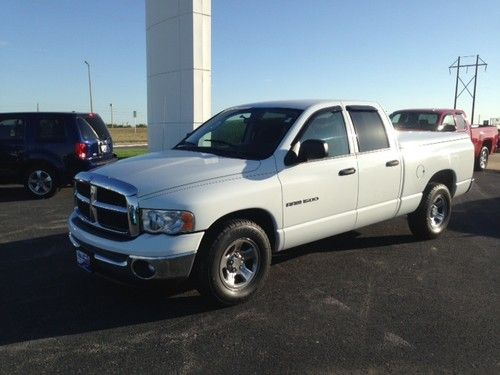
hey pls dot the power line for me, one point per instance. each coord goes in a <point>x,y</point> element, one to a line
<point>456,65</point>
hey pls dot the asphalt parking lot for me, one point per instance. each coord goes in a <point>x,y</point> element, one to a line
<point>374,300</point>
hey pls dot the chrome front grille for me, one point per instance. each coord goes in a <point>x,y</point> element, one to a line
<point>107,204</point>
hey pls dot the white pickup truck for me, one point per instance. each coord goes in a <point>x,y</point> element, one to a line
<point>258,179</point>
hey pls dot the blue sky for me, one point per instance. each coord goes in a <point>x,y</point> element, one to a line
<point>393,52</point>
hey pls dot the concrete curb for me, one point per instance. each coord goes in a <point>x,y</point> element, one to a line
<point>123,145</point>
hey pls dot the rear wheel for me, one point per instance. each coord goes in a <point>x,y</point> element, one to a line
<point>482,160</point>
<point>41,181</point>
<point>236,263</point>
<point>433,214</point>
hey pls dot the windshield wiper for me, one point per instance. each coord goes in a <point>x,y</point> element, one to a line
<point>233,151</point>
<point>186,144</point>
<point>221,142</point>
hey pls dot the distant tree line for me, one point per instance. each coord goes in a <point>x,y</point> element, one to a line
<point>125,126</point>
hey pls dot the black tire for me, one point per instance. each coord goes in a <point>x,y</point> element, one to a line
<point>41,181</point>
<point>221,276</point>
<point>433,214</point>
<point>482,160</point>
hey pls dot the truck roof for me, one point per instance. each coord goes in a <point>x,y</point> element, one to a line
<point>436,110</point>
<point>48,113</point>
<point>304,104</point>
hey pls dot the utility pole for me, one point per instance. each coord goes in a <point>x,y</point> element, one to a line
<point>90,86</point>
<point>457,65</point>
<point>111,110</point>
<point>38,107</point>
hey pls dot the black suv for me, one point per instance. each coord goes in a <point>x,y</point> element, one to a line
<point>45,150</point>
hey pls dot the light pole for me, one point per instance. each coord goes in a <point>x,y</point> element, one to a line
<point>135,121</point>
<point>90,86</point>
<point>111,110</point>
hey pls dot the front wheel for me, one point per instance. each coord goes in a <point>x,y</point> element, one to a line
<point>482,160</point>
<point>433,214</point>
<point>235,264</point>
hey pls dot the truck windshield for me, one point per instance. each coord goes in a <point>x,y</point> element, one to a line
<point>251,133</point>
<point>413,120</point>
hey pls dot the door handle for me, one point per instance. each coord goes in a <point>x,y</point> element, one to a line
<point>392,163</point>
<point>347,171</point>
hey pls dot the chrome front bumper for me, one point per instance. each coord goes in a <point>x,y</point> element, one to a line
<point>137,267</point>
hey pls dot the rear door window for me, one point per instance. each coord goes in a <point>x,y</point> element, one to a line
<point>370,130</point>
<point>51,130</point>
<point>11,129</point>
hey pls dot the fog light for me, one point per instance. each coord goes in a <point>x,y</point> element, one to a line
<point>142,269</point>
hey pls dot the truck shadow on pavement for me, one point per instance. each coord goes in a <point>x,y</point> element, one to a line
<point>342,242</point>
<point>44,294</point>
<point>18,193</point>
<point>14,194</point>
<point>477,218</point>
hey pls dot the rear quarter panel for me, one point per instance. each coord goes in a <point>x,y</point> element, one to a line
<point>484,136</point>
<point>422,162</point>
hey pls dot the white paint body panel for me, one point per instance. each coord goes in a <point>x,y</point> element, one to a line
<point>335,209</point>
<point>211,186</point>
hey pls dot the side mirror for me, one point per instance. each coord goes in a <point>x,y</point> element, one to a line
<point>313,149</point>
<point>308,150</point>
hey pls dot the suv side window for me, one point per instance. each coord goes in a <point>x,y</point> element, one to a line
<point>328,126</point>
<point>50,130</point>
<point>370,130</point>
<point>11,129</point>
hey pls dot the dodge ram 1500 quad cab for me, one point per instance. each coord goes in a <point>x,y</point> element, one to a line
<point>484,138</point>
<point>258,179</point>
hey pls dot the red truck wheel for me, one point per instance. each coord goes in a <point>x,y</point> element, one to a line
<point>482,160</point>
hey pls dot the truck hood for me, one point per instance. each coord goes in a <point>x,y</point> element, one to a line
<point>170,169</point>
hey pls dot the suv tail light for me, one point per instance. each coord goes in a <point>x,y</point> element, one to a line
<point>81,150</point>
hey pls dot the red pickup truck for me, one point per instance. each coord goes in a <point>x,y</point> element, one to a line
<point>484,138</point>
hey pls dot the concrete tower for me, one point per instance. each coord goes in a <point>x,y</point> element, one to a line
<point>178,42</point>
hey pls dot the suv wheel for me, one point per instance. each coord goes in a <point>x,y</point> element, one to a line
<point>41,181</point>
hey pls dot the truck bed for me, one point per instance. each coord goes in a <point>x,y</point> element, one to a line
<point>412,139</point>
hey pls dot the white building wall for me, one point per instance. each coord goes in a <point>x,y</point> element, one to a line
<point>178,42</point>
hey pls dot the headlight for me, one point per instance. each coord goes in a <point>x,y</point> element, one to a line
<point>170,222</point>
